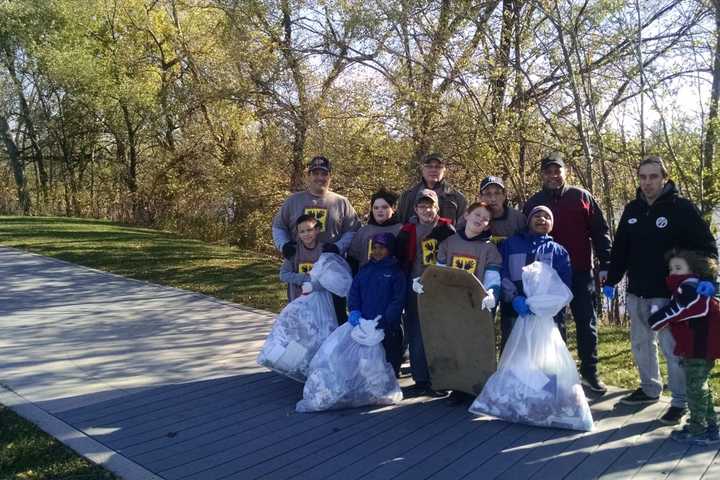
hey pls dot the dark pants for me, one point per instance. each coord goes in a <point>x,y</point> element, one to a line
<point>393,345</point>
<point>340,306</point>
<point>418,362</point>
<point>583,309</point>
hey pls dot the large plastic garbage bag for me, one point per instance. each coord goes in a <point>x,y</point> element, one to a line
<point>350,370</point>
<point>303,325</point>
<point>536,381</point>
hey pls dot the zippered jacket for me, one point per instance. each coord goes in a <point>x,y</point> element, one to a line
<point>646,232</point>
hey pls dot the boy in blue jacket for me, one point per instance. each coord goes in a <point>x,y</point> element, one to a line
<point>523,248</point>
<point>380,288</point>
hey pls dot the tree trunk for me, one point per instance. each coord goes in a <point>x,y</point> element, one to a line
<point>709,182</point>
<point>17,166</point>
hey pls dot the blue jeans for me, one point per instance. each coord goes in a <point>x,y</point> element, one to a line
<point>418,361</point>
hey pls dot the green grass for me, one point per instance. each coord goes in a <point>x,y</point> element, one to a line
<point>160,257</point>
<point>27,453</point>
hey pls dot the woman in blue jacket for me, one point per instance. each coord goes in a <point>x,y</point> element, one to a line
<point>380,288</point>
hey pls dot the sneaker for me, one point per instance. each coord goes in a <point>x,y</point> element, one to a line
<point>594,384</point>
<point>703,438</point>
<point>460,398</point>
<point>637,397</point>
<point>673,415</point>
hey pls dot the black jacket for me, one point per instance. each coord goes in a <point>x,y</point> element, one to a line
<point>646,232</point>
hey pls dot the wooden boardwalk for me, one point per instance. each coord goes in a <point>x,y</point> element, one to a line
<point>167,379</point>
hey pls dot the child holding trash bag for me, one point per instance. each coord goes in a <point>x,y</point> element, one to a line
<point>523,248</point>
<point>380,289</point>
<point>295,270</point>
<point>471,249</point>
<point>693,316</point>
<point>418,243</point>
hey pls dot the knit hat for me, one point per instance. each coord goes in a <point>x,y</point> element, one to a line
<point>541,208</point>
<point>387,239</point>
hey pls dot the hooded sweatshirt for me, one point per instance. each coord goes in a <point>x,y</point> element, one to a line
<point>361,245</point>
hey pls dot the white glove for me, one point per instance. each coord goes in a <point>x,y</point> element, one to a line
<point>307,288</point>
<point>488,303</point>
<point>417,286</point>
<point>654,308</point>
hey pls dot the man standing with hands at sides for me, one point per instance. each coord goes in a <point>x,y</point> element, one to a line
<point>337,220</point>
<point>506,221</point>
<point>658,220</point>
<point>452,202</point>
<point>581,228</point>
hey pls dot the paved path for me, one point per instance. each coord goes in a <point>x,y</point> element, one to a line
<point>155,382</point>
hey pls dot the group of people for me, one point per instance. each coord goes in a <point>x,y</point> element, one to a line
<point>431,224</point>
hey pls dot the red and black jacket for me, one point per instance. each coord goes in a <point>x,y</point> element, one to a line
<point>579,225</point>
<point>407,240</point>
<point>694,320</point>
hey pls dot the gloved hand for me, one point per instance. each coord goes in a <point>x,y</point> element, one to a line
<point>417,286</point>
<point>289,249</point>
<point>354,318</point>
<point>488,303</point>
<point>330,248</point>
<point>307,288</point>
<point>520,305</point>
<point>706,289</point>
<point>609,291</point>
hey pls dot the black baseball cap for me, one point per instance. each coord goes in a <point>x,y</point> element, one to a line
<point>552,158</point>
<point>319,163</point>
<point>433,157</point>
<point>491,180</point>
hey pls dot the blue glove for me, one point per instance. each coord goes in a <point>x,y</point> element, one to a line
<point>354,318</point>
<point>520,305</point>
<point>706,289</point>
<point>609,291</point>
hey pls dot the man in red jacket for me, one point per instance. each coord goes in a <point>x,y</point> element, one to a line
<point>581,228</point>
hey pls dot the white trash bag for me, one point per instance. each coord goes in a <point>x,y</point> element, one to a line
<point>536,381</point>
<point>303,325</point>
<point>350,370</point>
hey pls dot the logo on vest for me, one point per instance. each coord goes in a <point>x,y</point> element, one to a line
<point>661,222</point>
<point>632,221</point>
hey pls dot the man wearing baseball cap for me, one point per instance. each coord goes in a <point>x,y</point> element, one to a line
<point>452,203</point>
<point>581,228</point>
<point>506,221</point>
<point>336,218</point>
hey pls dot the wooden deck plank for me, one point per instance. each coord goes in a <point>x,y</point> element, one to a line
<point>693,465</point>
<point>393,447</point>
<point>196,422</point>
<point>276,440</point>
<point>198,428</point>
<point>617,443</point>
<point>313,441</point>
<point>483,430</point>
<point>319,459</point>
<point>238,439</point>
<point>120,409</point>
<point>563,441</point>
